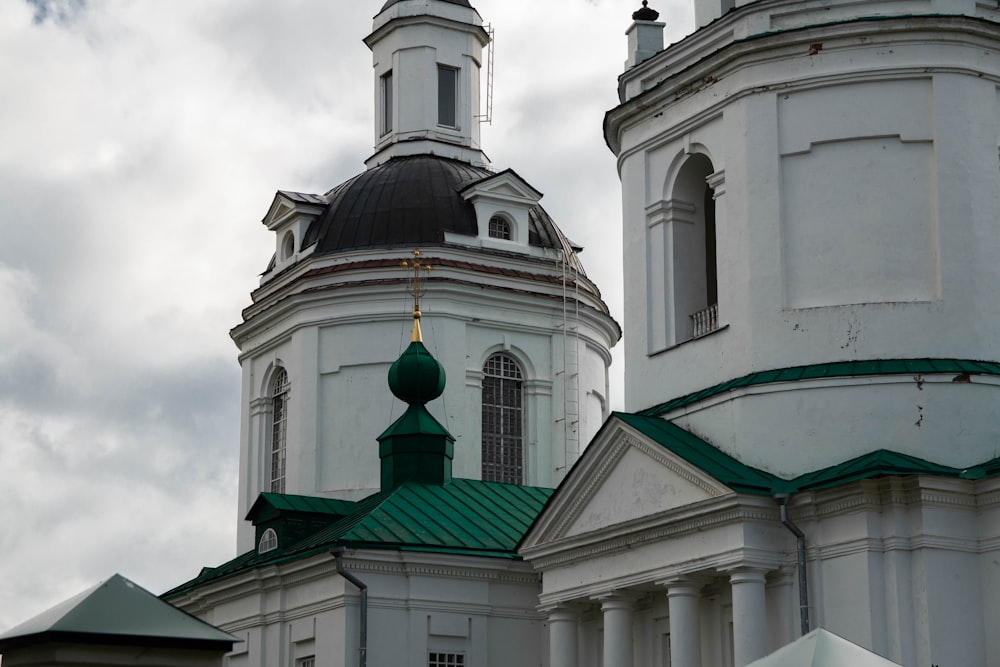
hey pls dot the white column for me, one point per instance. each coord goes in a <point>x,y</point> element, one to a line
<point>683,598</point>
<point>783,607</point>
<point>617,611</point>
<point>562,637</point>
<point>749,615</point>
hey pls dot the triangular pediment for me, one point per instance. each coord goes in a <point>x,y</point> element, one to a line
<point>623,476</point>
<point>506,185</point>
<point>286,203</point>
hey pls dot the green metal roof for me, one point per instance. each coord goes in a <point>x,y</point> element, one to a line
<point>465,516</point>
<point>286,502</point>
<point>119,612</point>
<point>745,479</point>
<point>874,464</point>
<point>721,466</point>
<point>832,370</point>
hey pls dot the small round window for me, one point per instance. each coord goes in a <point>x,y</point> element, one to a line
<point>499,228</point>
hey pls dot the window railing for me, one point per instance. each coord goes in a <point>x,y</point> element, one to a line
<point>705,320</point>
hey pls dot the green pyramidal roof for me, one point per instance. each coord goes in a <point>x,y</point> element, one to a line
<point>119,612</point>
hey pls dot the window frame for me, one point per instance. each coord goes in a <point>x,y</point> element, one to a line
<point>278,441</point>
<point>508,228</point>
<point>386,102</point>
<point>451,73</point>
<point>271,543</point>
<point>446,659</point>
<point>503,420</point>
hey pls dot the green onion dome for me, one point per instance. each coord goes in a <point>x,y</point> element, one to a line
<point>416,377</point>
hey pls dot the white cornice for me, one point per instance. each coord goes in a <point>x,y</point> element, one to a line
<point>713,64</point>
<point>718,513</point>
<point>702,569</point>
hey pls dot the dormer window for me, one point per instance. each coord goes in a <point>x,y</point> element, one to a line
<point>268,541</point>
<point>499,228</point>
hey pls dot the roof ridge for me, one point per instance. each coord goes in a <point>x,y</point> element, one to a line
<point>831,369</point>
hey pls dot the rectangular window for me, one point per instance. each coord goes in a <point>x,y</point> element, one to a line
<point>447,97</point>
<point>306,662</point>
<point>386,94</point>
<point>446,660</point>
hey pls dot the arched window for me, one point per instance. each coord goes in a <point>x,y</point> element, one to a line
<point>684,287</point>
<point>268,541</point>
<point>503,420</point>
<point>279,429</point>
<point>499,228</point>
<point>287,246</point>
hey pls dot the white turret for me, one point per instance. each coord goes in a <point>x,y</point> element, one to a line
<point>427,56</point>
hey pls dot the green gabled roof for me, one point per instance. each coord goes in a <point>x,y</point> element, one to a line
<point>832,370</point>
<point>118,612</point>
<point>874,464</point>
<point>465,516</point>
<point>989,469</point>
<point>286,502</point>
<point>701,454</point>
<point>745,479</point>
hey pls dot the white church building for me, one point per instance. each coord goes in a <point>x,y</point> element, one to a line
<point>811,220</point>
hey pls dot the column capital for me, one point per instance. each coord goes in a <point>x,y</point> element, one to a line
<point>616,599</point>
<point>746,573</point>
<point>783,576</point>
<point>680,582</point>
<point>563,609</point>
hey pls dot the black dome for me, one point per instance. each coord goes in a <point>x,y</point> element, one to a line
<point>409,201</point>
<point>390,3</point>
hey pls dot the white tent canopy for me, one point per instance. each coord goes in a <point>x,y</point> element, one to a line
<point>821,648</point>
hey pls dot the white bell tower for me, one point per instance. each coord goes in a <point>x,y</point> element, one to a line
<point>427,56</point>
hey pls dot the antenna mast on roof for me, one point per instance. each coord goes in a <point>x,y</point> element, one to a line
<point>488,116</point>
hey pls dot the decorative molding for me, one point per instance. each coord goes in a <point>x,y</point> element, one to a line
<point>670,210</point>
<point>599,461</point>
<point>717,182</point>
<point>648,531</point>
<point>682,469</point>
<point>608,459</point>
<point>705,571</point>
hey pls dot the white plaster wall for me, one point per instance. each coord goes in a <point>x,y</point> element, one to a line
<point>904,566</point>
<point>338,345</point>
<point>860,178</point>
<point>413,51</point>
<point>484,608</point>
<point>793,428</point>
<point>853,212</point>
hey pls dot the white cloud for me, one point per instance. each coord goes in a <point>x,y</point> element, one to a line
<point>140,145</point>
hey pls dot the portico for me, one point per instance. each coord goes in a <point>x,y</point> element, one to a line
<point>684,574</point>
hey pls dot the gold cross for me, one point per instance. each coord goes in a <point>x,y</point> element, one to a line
<point>416,288</point>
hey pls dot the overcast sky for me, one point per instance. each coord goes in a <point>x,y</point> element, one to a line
<point>141,142</point>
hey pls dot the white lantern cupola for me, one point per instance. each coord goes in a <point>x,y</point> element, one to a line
<point>427,56</point>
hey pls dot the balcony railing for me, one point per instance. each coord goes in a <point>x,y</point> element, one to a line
<point>706,320</point>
